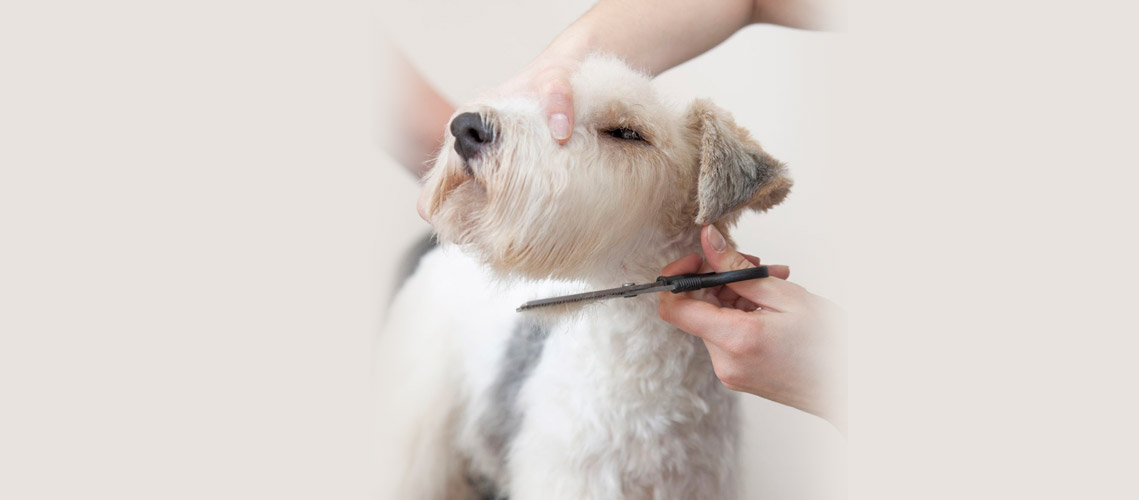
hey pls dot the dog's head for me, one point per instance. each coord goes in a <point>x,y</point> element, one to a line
<point>636,176</point>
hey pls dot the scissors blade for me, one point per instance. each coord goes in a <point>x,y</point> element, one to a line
<point>624,291</point>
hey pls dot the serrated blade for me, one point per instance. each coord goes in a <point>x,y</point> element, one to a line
<point>625,291</point>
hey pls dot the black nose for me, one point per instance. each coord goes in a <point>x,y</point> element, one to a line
<point>472,134</point>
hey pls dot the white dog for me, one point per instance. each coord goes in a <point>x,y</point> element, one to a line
<point>603,401</point>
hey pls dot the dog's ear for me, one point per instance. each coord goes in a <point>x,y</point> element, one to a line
<point>735,173</point>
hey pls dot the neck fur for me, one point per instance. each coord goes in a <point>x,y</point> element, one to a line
<point>643,261</point>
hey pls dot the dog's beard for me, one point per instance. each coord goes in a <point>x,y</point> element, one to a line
<point>557,219</point>
<point>442,181</point>
<point>515,230</point>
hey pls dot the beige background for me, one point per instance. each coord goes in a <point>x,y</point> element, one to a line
<point>775,82</point>
<point>197,232</point>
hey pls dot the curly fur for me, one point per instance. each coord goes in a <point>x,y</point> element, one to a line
<point>600,401</point>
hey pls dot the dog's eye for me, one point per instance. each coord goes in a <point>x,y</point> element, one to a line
<point>625,134</point>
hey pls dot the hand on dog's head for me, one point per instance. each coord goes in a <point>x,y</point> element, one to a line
<point>635,181</point>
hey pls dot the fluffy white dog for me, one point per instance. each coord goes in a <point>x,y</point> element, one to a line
<point>603,401</point>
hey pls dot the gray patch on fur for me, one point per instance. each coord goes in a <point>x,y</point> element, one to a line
<point>500,423</point>
<point>410,262</point>
<point>485,489</point>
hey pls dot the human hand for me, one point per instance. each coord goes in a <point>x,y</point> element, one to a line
<point>548,77</point>
<point>767,337</point>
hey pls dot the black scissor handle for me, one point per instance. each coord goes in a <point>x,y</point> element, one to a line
<point>689,282</point>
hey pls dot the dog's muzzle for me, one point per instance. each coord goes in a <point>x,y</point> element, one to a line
<point>473,134</point>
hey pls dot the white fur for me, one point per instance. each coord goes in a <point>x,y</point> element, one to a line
<point>617,407</point>
<point>620,404</point>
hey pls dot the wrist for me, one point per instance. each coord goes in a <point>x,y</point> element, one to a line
<point>835,414</point>
<point>573,44</point>
<point>831,406</point>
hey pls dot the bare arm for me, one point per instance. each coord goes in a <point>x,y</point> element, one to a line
<point>422,113</point>
<point>652,35</point>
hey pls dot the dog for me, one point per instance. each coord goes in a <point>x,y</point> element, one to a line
<point>596,401</point>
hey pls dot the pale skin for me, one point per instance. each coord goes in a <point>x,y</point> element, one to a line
<point>424,113</point>
<point>768,337</point>
<point>651,35</point>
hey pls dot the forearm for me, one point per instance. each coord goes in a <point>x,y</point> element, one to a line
<point>428,120</point>
<point>656,35</point>
<point>652,36</point>
<point>421,113</point>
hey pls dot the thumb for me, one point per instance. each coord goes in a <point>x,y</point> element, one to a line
<point>721,256</point>
<point>768,293</point>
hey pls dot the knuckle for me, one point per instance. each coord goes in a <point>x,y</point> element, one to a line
<point>732,387</point>
<point>729,375</point>
<point>738,261</point>
<point>737,348</point>
<point>744,342</point>
<point>557,89</point>
<point>746,348</point>
<point>754,324</point>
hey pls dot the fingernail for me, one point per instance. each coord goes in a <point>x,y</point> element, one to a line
<point>716,239</point>
<point>559,126</point>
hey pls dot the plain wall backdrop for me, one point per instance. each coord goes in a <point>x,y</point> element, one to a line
<point>198,235</point>
<point>775,82</point>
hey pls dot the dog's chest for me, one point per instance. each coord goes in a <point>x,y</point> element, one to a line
<point>614,381</point>
<point>611,389</point>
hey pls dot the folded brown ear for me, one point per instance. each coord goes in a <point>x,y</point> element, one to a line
<point>734,171</point>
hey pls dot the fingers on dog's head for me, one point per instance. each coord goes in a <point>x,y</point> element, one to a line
<point>557,96</point>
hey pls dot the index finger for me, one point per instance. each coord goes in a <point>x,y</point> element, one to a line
<point>702,319</point>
